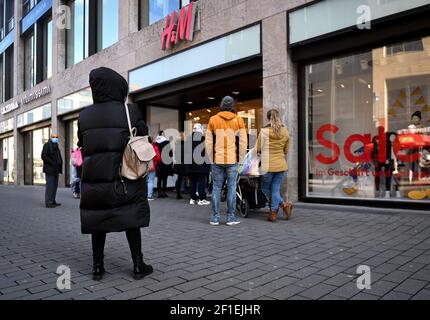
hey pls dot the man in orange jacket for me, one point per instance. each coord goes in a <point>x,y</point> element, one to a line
<point>222,149</point>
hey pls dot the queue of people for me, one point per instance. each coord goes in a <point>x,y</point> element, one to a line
<point>109,202</point>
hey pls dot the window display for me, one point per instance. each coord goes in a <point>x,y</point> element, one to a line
<point>369,125</point>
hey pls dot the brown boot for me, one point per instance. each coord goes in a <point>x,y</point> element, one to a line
<point>272,216</point>
<point>287,207</point>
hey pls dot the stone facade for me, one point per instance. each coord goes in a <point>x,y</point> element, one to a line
<point>138,47</point>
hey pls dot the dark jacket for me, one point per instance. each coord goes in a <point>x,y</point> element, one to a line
<point>179,167</point>
<point>52,161</point>
<point>107,204</point>
<point>199,160</point>
<point>165,168</point>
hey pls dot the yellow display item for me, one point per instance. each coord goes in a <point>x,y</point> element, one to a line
<point>417,195</point>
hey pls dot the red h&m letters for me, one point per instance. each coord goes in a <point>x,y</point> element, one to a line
<point>179,26</point>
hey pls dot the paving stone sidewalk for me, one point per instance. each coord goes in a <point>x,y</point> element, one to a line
<point>313,256</point>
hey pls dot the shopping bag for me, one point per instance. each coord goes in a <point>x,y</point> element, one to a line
<point>251,164</point>
<point>76,158</point>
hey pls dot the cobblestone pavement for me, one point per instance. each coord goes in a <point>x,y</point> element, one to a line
<point>314,256</point>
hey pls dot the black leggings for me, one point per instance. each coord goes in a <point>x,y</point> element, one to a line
<point>162,184</point>
<point>134,241</point>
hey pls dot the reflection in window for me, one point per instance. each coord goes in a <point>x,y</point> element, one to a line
<point>29,61</point>
<point>40,137</point>
<point>75,101</point>
<point>35,115</point>
<point>77,36</point>
<point>8,160</point>
<point>47,44</point>
<point>152,11</point>
<point>108,23</point>
<point>369,125</point>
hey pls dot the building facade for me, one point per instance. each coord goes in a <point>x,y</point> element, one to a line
<point>350,77</point>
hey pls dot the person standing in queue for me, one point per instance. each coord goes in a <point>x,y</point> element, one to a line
<point>165,167</point>
<point>52,167</point>
<point>109,202</point>
<point>225,152</point>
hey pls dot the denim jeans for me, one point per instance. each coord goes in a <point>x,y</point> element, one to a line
<point>151,178</point>
<point>271,187</point>
<point>76,181</point>
<point>219,174</point>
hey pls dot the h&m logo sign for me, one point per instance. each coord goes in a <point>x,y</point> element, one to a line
<point>179,26</point>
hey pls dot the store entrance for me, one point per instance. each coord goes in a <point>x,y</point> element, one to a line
<point>183,109</point>
<point>33,163</point>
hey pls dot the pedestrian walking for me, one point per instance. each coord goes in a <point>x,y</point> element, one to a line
<point>224,151</point>
<point>179,167</point>
<point>76,162</point>
<point>199,169</point>
<point>52,167</point>
<point>109,202</point>
<point>165,168</point>
<point>152,173</point>
<point>273,143</point>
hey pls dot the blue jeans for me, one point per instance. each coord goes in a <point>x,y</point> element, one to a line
<point>76,181</point>
<point>151,178</point>
<point>271,187</point>
<point>219,174</point>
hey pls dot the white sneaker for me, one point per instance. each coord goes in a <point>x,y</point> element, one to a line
<point>192,201</point>
<point>214,223</point>
<point>233,223</point>
<point>204,203</point>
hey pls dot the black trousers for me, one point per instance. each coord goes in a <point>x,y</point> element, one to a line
<point>134,241</point>
<point>198,183</point>
<point>162,184</point>
<point>178,184</point>
<point>51,189</point>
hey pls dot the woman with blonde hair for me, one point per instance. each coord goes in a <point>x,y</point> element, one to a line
<point>273,144</point>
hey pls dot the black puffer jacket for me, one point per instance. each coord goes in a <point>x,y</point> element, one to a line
<point>106,206</point>
<point>52,161</point>
<point>199,161</point>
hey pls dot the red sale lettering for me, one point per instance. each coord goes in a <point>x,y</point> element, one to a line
<point>328,144</point>
<point>364,139</point>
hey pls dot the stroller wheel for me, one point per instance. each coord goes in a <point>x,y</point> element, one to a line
<point>243,208</point>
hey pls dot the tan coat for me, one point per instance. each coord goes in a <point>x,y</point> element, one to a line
<point>273,150</point>
<point>225,127</point>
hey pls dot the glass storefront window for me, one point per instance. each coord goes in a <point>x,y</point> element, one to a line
<point>368,124</point>
<point>77,36</point>
<point>6,126</point>
<point>47,70</point>
<point>40,137</point>
<point>29,61</point>
<point>33,116</point>
<point>152,11</point>
<point>108,23</point>
<point>8,160</point>
<point>75,101</point>
<point>72,142</point>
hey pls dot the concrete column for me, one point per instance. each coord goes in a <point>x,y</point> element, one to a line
<point>128,17</point>
<point>18,88</point>
<point>280,90</point>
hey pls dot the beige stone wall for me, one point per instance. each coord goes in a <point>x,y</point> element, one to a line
<point>136,48</point>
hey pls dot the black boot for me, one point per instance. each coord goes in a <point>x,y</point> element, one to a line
<point>141,269</point>
<point>98,269</point>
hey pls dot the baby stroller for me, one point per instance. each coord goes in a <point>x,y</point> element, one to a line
<point>249,195</point>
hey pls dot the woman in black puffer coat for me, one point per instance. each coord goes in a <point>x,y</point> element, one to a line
<point>108,203</point>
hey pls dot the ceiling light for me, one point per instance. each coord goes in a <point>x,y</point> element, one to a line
<point>190,102</point>
<point>236,92</point>
<point>342,86</point>
<point>209,111</point>
<point>320,90</point>
<point>211,98</point>
<point>190,114</point>
<point>369,86</point>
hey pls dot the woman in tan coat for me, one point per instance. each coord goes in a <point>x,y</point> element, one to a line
<point>272,144</point>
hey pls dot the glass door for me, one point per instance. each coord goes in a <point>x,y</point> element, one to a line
<point>8,163</point>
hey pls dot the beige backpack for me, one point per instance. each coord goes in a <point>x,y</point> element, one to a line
<point>137,160</point>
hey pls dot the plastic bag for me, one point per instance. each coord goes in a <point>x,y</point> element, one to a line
<point>251,164</point>
<point>76,158</point>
